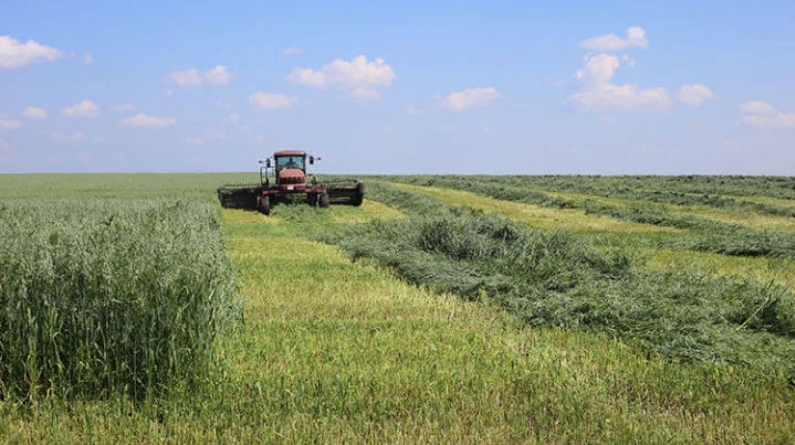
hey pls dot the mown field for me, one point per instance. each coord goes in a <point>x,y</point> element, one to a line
<point>445,309</point>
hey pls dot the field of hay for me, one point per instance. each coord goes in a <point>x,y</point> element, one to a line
<point>445,309</point>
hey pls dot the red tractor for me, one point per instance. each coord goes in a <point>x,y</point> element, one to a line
<point>289,170</point>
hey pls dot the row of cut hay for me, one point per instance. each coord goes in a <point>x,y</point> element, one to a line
<point>109,296</point>
<point>746,186</point>
<point>707,235</point>
<point>561,280</point>
<point>487,186</point>
<point>650,189</point>
<point>410,202</point>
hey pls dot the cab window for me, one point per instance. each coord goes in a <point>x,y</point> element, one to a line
<point>290,162</point>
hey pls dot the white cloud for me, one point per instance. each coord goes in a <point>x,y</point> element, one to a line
<point>15,54</point>
<point>598,70</point>
<point>260,139</point>
<point>34,113</point>
<point>217,76</point>
<point>694,95</point>
<point>85,108</point>
<point>194,141</point>
<point>594,92</point>
<point>169,93</point>
<point>270,101</point>
<point>234,118</point>
<point>75,137</point>
<point>636,38</point>
<point>388,130</point>
<point>360,78</point>
<point>87,59</point>
<point>214,133</point>
<point>9,124</point>
<point>292,51</point>
<point>143,120</point>
<point>123,107</point>
<point>780,120</point>
<point>761,114</point>
<point>471,97</point>
<point>307,77</point>
<point>629,61</point>
<point>192,77</point>
<point>757,107</point>
<point>411,110</point>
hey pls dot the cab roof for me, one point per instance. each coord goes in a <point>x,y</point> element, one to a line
<point>290,153</point>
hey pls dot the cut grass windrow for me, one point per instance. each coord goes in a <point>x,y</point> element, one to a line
<point>415,203</point>
<point>707,235</point>
<point>536,216</point>
<point>557,279</point>
<point>633,190</point>
<point>781,188</point>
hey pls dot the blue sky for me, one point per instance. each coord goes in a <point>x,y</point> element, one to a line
<point>611,87</point>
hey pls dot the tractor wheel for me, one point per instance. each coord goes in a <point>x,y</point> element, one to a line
<point>264,205</point>
<point>357,200</point>
<point>323,201</point>
<point>311,199</point>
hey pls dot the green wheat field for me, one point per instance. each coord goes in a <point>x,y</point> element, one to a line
<point>445,309</point>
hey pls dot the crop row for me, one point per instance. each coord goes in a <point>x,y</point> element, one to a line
<point>651,189</point>
<point>558,279</point>
<point>737,186</point>
<point>707,191</point>
<point>707,235</point>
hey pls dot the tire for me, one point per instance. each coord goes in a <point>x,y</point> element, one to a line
<point>264,205</point>
<point>323,201</point>
<point>357,201</point>
<point>312,199</point>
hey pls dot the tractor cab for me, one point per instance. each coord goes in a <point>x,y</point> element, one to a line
<point>289,168</point>
<point>290,162</point>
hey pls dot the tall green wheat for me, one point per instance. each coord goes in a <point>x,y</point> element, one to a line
<point>109,297</point>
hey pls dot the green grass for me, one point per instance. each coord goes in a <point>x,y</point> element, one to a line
<point>782,188</point>
<point>764,269</point>
<point>763,221</point>
<point>681,191</point>
<point>558,279</point>
<point>198,187</point>
<point>338,352</point>
<point>105,297</point>
<point>704,235</point>
<point>537,216</point>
